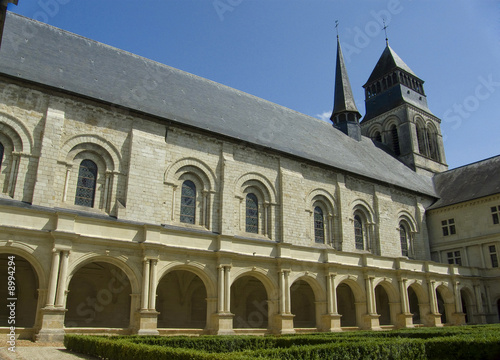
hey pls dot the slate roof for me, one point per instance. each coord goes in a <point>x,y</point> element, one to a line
<point>344,100</point>
<point>43,54</point>
<point>468,182</point>
<point>387,62</point>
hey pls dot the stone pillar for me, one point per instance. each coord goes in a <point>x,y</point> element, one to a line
<point>458,315</point>
<point>54,272</point>
<point>63,274</point>
<point>406,317</point>
<point>223,320</point>
<point>371,319</point>
<point>434,317</point>
<point>284,320</point>
<point>66,182</point>
<point>331,320</point>
<point>148,316</point>
<point>145,284</point>
<point>152,284</point>
<point>480,316</point>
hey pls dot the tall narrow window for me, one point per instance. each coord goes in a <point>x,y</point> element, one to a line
<point>433,150</point>
<point>395,140</point>
<point>85,187</point>
<point>495,210</point>
<point>1,154</point>
<point>358,233</point>
<point>421,140</point>
<point>403,236</point>
<point>377,137</point>
<point>493,256</point>
<point>252,214</point>
<point>188,202</point>
<point>319,225</point>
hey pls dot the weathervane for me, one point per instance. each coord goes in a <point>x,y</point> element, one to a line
<point>337,27</point>
<point>385,30</point>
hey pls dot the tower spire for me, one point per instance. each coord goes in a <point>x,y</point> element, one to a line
<point>345,115</point>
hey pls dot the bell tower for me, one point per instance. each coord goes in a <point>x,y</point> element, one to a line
<point>398,116</point>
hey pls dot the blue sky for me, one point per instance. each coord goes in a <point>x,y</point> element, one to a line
<point>284,50</point>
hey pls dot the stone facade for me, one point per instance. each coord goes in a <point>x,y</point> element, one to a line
<point>189,231</point>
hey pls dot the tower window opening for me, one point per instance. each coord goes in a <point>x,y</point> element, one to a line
<point>395,140</point>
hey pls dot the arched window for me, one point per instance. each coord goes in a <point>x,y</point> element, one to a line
<point>358,233</point>
<point>421,140</point>
<point>319,226</point>
<point>395,140</point>
<point>403,237</point>
<point>433,151</point>
<point>188,202</point>
<point>252,214</point>
<point>1,154</point>
<point>85,187</point>
<point>377,137</point>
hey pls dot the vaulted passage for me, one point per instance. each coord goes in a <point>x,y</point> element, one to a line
<point>26,291</point>
<point>249,303</point>
<point>181,301</point>
<point>383,307</point>
<point>441,307</point>
<point>346,305</point>
<point>99,296</point>
<point>467,305</point>
<point>414,305</point>
<point>303,305</point>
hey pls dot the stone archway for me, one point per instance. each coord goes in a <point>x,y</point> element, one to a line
<point>99,296</point>
<point>467,299</point>
<point>382,305</point>
<point>249,303</point>
<point>25,291</point>
<point>302,301</point>
<point>414,306</point>
<point>346,305</point>
<point>181,301</point>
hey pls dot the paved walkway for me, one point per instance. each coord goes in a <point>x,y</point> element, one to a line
<point>34,352</point>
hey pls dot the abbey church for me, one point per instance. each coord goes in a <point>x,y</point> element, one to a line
<point>136,198</point>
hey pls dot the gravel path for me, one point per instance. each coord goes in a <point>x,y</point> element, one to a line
<point>28,350</point>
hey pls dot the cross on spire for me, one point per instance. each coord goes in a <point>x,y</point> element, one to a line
<point>385,30</point>
<point>337,27</point>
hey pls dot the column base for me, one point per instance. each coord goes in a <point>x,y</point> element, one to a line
<point>284,324</point>
<point>331,322</point>
<point>371,322</point>
<point>405,320</point>
<point>223,324</point>
<point>52,329</point>
<point>433,320</point>
<point>148,322</point>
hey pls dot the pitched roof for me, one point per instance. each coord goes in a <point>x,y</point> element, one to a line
<point>344,100</point>
<point>468,182</point>
<point>388,62</point>
<point>43,54</point>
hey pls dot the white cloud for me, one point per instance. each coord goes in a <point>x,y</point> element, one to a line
<point>325,116</point>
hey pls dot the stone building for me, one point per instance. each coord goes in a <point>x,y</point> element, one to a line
<point>140,199</point>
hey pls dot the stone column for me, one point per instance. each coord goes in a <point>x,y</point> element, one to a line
<point>145,284</point>
<point>220,288</point>
<point>66,182</point>
<point>406,317</point>
<point>434,317</point>
<point>458,315</point>
<point>480,316</point>
<point>152,284</point>
<point>371,318</point>
<point>227,289</point>
<point>54,272</point>
<point>331,320</point>
<point>284,320</point>
<point>63,274</point>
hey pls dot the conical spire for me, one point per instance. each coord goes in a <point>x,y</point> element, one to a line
<point>343,100</point>
<point>345,115</point>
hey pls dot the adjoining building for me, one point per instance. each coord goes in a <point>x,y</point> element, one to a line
<point>140,199</point>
